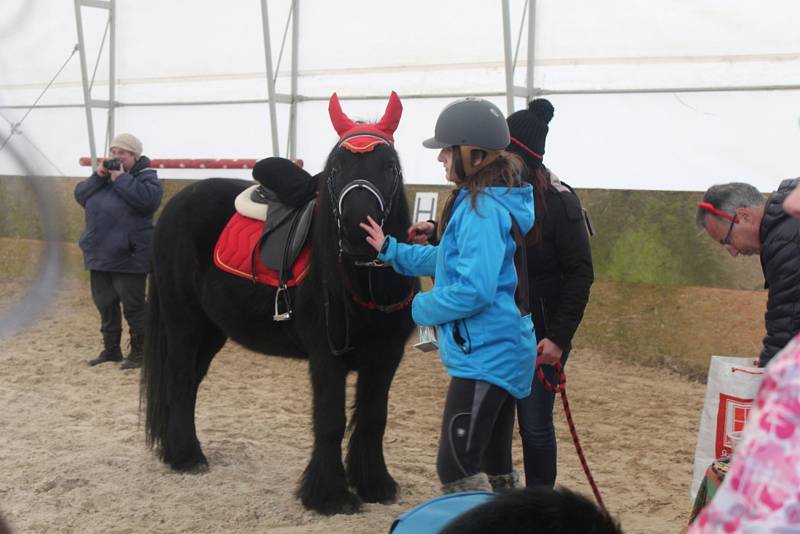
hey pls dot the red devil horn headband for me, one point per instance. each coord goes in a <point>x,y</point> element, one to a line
<point>385,126</point>
<point>391,117</point>
<point>341,122</point>
<point>709,207</point>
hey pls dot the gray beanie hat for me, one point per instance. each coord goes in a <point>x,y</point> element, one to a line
<point>128,142</point>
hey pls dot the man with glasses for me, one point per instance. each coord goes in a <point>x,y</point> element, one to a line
<point>738,217</point>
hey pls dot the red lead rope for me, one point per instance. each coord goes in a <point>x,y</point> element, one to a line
<point>562,388</point>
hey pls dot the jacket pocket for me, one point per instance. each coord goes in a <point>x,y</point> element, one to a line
<point>461,336</point>
<point>139,239</point>
<point>527,334</point>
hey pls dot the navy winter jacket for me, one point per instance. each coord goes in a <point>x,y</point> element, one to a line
<point>119,219</point>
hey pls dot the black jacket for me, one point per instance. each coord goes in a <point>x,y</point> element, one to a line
<point>560,270</point>
<point>780,261</point>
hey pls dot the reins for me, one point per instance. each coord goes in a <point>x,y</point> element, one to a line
<point>371,305</point>
<point>326,302</point>
<point>562,389</point>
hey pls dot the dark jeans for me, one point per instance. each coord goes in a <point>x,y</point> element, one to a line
<point>535,414</point>
<point>111,289</point>
<point>477,430</point>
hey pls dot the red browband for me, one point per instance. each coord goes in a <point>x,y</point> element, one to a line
<point>526,149</point>
<point>708,207</point>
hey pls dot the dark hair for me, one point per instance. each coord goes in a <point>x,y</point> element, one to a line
<point>539,178</point>
<point>506,170</point>
<point>534,510</point>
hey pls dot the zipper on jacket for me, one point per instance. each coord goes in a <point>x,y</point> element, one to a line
<point>544,317</point>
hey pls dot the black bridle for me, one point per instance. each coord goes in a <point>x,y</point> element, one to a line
<point>337,201</point>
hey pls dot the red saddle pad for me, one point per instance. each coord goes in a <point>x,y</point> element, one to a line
<point>234,253</point>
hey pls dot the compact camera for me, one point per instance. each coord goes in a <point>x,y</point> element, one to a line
<point>113,164</point>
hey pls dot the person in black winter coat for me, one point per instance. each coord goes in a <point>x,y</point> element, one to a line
<point>119,200</point>
<point>737,216</point>
<point>560,274</point>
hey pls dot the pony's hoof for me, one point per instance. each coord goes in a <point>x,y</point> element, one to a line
<point>197,469</point>
<point>340,503</point>
<point>191,466</point>
<point>383,491</point>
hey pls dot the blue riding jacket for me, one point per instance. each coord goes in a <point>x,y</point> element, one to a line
<point>480,332</point>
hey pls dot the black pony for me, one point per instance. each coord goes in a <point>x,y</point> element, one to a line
<point>348,314</point>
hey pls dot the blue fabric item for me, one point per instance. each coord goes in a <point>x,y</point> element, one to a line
<point>432,516</point>
<point>481,334</point>
<point>119,220</point>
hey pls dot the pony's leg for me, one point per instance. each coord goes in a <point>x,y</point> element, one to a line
<point>366,467</point>
<point>192,344</point>
<point>323,486</point>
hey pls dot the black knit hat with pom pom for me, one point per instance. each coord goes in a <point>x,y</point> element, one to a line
<point>528,128</point>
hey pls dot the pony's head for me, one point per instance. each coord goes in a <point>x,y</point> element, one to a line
<point>363,178</point>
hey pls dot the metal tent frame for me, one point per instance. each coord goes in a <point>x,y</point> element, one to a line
<point>273,97</point>
<point>510,53</point>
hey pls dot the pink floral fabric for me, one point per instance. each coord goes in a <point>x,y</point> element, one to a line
<point>761,493</point>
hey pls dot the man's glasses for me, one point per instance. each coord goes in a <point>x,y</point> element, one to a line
<point>732,218</point>
<point>727,241</point>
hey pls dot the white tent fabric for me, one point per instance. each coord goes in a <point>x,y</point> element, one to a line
<point>205,50</point>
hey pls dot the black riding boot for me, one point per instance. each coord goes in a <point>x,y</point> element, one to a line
<point>111,351</point>
<point>136,355</point>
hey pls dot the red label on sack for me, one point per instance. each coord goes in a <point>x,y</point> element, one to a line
<point>731,417</point>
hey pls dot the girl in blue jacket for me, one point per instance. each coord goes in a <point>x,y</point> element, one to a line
<point>485,343</point>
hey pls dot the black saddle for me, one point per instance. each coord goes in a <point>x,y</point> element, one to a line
<point>285,233</point>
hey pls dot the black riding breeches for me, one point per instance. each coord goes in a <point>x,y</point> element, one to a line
<point>108,290</point>
<point>477,429</point>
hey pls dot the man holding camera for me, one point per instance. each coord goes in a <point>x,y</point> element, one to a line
<point>119,200</point>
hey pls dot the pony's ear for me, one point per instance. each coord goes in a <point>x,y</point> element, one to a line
<point>391,117</point>
<point>341,122</point>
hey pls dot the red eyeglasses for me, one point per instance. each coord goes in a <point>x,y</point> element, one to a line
<point>732,218</point>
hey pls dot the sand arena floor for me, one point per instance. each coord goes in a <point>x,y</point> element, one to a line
<point>73,459</point>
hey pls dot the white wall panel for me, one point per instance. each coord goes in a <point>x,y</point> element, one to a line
<point>199,50</point>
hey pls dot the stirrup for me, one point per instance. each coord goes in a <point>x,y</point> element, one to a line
<point>286,315</point>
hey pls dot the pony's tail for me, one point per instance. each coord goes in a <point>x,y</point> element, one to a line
<point>153,385</point>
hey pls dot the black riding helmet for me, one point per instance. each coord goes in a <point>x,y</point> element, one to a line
<point>470,123</point>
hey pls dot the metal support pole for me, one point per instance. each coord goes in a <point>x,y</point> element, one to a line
<point>273,119</point>
<point>531,48</point>
<point>87,97</point>
<point>508,56</point>
<point>295,59</point>
<point>112,71</point>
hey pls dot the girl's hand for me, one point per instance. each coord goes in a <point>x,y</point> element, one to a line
<point>419,233</point>
<point>548,353</point>
<point>375,235</point>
